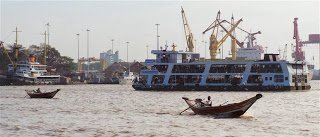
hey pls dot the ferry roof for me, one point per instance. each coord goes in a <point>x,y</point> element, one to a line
<point>171,52</point>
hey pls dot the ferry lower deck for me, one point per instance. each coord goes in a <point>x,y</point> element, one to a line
<point>219,88</point>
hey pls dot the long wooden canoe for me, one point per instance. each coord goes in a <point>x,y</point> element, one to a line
<point>228,110</point>
<point>34,94</point>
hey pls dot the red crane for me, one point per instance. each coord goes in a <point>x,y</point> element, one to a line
<point>298,54</point>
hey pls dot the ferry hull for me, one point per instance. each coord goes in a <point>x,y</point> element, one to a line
<point>219,88</point>
<point>11,80</point>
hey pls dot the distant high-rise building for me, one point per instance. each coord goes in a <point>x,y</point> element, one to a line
<point>110,57</point>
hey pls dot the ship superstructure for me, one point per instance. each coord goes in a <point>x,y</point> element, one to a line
<point>31,71</point>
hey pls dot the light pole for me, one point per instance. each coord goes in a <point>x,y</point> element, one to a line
<point>48,32</point>
<point>205,50</point>
<point>88,65</point>
<point>147,51</point>
<point>112,45</point>
<point>157,36</point>
<point>45,60</point>
<point>195,45</point>
<point>128,57</point>
<point>266,49</point>
<point>78,52</point>
<point>45,48</point>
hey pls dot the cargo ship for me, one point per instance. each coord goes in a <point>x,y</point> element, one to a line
<point>30,72</point>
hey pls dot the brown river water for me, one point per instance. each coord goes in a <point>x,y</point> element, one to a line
<point>119,110</point>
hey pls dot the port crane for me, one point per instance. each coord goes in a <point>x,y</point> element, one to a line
<point>215,44</point>
<point>187,31</point>
<point>234,40</point>
<point>298,55</point>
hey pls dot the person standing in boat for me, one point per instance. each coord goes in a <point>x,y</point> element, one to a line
<point>38,90</point>
<point>208,102</point>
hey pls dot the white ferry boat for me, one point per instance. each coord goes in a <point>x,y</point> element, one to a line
<point>185,71</point>
<point>127,78</point>
<point>32,72</point>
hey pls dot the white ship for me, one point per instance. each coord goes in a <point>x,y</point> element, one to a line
<point>185,71</point>
<point>32,72</point>
<point>127,78</point>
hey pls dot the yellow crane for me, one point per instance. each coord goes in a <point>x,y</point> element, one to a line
<point>215,44</point>
<point>187,31</point>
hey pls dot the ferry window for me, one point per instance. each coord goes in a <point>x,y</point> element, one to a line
<point>255,79</point>
<point>266,68</point>
<point>227,68</point>
<point>297,66</point>
<point>215,79</point>
<point>188,68</point>
<point>278,78</point>
<point>162,68</point>
<point>172,79</point>
<point>164,58</point>
<point>157,79</point>
<point>293,78</point>
<point>192,78</point>
<point>143,79</point>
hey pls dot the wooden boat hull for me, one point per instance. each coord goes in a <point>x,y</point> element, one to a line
<point>226,111</point>
<point>33,94</point>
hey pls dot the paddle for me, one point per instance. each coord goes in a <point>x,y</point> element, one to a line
<point>224,103</point>
<point>184,110</point>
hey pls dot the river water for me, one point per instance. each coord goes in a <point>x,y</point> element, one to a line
<point>118,110</point>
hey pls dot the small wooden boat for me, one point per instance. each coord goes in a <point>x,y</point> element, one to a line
<point>35,94</point>
<point>225,111</point>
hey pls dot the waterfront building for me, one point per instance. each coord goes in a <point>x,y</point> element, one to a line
<point>110,57</point>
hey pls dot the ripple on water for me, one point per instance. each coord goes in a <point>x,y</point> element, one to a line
<point>102,110</point>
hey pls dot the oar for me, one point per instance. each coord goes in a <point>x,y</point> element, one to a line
<point>184,110</point>
<point>25,96</point>
<point>224,103</point>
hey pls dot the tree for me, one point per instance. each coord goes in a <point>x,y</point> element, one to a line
<point>63,64</point>
<point>66,65</point>
<point>14,52</point>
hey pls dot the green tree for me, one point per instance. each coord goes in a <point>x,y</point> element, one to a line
<point>66,65</point>
<point>63,64</point>
<point>13,52</point>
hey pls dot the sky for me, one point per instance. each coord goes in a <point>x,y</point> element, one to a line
<point>134,22</point>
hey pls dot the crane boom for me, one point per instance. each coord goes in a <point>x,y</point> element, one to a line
<point>298,54</point>
<point>214,23</point>
<point>187,31</point>
<point>229,32</point>
<point>232,37</point>
<point>215,44</point>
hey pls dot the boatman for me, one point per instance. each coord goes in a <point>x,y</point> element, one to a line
<point>208,102</point>
<point>38,90</point>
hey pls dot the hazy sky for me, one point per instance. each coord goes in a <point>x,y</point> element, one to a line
<point>134,21</point>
